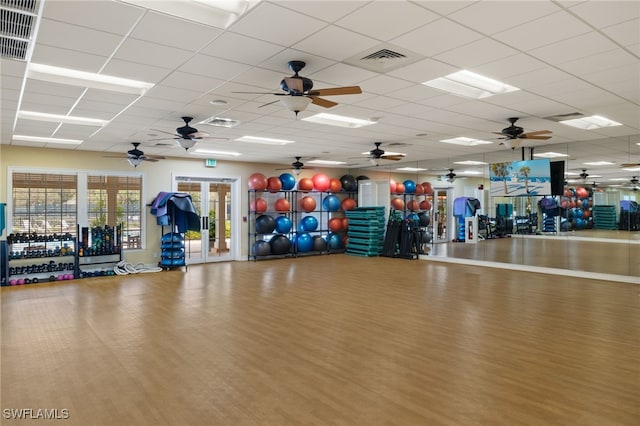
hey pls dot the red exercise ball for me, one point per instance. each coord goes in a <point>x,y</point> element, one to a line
<point>348,204</point>
<point>308,204</point>
<point>412,205</point>
<point>282,205</point>
<point>419,189</point>
<point>321,182</point>
<point>345,223</point>
<point>335,185</point>
<point>274,184</point>
<point>258,205</point>
<point>305,184</point>
<point>345,240</point>
<point>582,192</point>
<point>428,188</point>
<point>400,188</point>
<point>425,205</point>
<point>568,193</point>
<point>258,182</point>
<point>392,185</point>
<point>397,203</point>
<point>335,224</point>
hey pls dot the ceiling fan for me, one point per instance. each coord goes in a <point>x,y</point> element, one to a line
<point>450,176</point>
<point>296,166</point>
<point>584,175</point>
<point>136,156</point>
<point>513,132</point>
<point>298,91</point>
<point>187,136</point>
<point>377,154</point>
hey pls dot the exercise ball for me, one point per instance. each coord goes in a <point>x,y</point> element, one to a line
<point>283,224</point>
<point>335,185</point>
<point>424,219</point>
<point>261,248</point>
<point>274,184</point>
<point>582,192</point>
<point>400,188</point>
<point>308,203</point>
<point>410,186</point>
<point>345,224</point>
<point>318,244</point>
<point>320,182</point>
<point>304,241</point>
<point>331,203</point>
<point>308,223</point>
<point>348,204</point>
<point>564,204</point>
<point>579,203</point>
<point>280,244</point>
<point>305,184</point>
<point>419,189</point>
<point>585,203</point>
<point>567,193</point>
<point>335,224</point>
<point>392,185</point>
<point>428,188</point>
<point>258,182</point>
<point>288,181</point>
<point>349,183</point>
<point>282,205</point>
<point>258,205</point>
<point>334,241</point>
<point>425,205</point>
<point>397,203</point>
<point>265,224</point>
<point>412,205</point>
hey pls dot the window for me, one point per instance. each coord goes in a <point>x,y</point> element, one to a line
<point>44,203</point>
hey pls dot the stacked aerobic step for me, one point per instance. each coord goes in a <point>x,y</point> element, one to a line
<point>172,250</point>
<point>604,217</point>
<point>366,231</point>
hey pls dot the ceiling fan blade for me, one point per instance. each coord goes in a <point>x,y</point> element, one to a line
<point>262,93</point>
<point>392,157</point>
<point>630,165</point>
<point>322,102</point>
<point>537,132</point>
<point>347,90</point>
<point>268,103</point>
<point>528,136</point>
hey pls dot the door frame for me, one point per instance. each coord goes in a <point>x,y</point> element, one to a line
<point>450,219</point>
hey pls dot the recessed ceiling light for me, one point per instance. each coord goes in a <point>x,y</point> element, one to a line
<point>338,120</point>
<point>218,102</point>
<point>571,173</point>
<point>590,123</point>
<point>550,154</point>
<point>598,163</point>
<point>40,139</point>
<point>470,85</point>
<point>469,172</point>
<point>327,162</point>
<point>632,169</point>
<point>470,163</point>
<point>411,169</point>
<point>617,179</point>
<point>265,141</point>
<point>466,141</point>
<point>213,152</point>
<point>56,118</point>
<point>86,79</point>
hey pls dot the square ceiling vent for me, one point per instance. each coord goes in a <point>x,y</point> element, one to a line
<point>384,58</point>
<point>18,19</point>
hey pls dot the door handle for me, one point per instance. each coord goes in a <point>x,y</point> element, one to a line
<point>205,222</point>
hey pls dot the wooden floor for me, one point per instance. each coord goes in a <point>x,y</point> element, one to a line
<point>326,340</point>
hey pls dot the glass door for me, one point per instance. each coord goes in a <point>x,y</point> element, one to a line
<point>443,221</point>
<point>212,200</point>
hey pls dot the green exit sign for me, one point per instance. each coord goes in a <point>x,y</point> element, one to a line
<point>210,162</point>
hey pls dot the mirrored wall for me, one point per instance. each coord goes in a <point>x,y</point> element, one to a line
<point>590,227</point>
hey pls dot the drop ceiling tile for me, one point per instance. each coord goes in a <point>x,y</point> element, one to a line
<point>66,58</point>
<point>377,103</point>
<point>335,43</point>
<point>386,20</point>
<point>135,71</point>
<point>495,16</point>
<point>198,83</point>
<point>531,80</point>
<point>475,54</point>
<point>279,61</point>
<point>170,31</point>
<point>383,84</point>
<point>166,92</point>
<point>213,67</point>
<point>319,10</point>
<point>626,33</point>
<point>574,48</point>
<point>598,62</point>
<point>73,37</point>
<point>108,16</point>
<point>541,32</point>
<point>503,69</point>
<point>96,109</point>
<point>53,89</point>
<point>267,80</point>
<point>258,23</point>
<point>341,75</point>
<point>35,128</point>
<point>121,99</point>
<point>602,14</point>
<point>428,40</point>
<point>424,70</point>
<point>144,52</point>
<point>445,8</point>
<point>240,48</point>
<point>46,103</point>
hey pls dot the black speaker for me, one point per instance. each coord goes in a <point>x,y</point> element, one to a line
<point>557,177</point>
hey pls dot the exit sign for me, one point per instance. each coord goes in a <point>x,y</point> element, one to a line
<point>210,162</point>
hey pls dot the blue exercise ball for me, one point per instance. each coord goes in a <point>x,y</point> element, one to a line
<point>334,241</point>
<point>409,186</point>
<point>288,181</point>
<point>304,241</point>
<point>265,224</point>
<point>308,223</point>
<point>283,224</point>
<point>331,203</point>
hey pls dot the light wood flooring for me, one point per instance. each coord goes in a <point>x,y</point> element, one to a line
<point>325,340</point>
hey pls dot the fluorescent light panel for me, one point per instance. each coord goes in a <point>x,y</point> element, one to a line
<point>465,141</point>
<point>87,79</point>
<point>265,141</point>
<point>470,163</point>
<point>326,162</point>
<point>221,153</point>
<point>550,154</point>
<point>57,118</point>
<point>338,120</point>
<point>632,169</point>
<point>40,139</point>
<point>470,85</point>
<point>590,123</point>
<point>411,169</point>
<point>598,163</point>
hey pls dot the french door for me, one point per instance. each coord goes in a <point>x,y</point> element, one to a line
<point>217,238</point>
<point>444,226</point>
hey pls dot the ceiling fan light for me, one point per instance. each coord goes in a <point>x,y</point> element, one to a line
<point>135,161</point>
<point>295,103</point>
<point>186,143</point>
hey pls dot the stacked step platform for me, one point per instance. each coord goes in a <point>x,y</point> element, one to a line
<point>366,231</point>
<point>604,217</point>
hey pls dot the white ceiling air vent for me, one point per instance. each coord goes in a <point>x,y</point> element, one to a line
<point>562,117</point>
<point>220,122</point>
<point>383,58</point>
<point>18,18</point>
